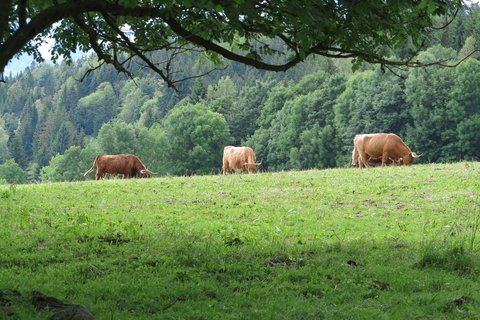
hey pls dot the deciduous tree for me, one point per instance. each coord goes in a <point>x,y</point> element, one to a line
<point>118,137</point>
<point>434,119</point>
<point>97,108</point>
<point>11,172</point>
<point>197,137</point>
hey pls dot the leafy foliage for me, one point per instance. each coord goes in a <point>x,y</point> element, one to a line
<point>11,172</point>
<point>243,30</point>
<point>433,119</point>
<point>97,108</point>
<point>70,165</point>
<point>196,136</point>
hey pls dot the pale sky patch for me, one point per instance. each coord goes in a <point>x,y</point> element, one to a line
<point>45,49</point>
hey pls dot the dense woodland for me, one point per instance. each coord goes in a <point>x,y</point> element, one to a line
<point>52,124</point>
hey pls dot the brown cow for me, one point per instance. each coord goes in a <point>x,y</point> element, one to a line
<point>127,164</point>
<point>357,159</point>
<point>239,158</point>
<point>387,147</point>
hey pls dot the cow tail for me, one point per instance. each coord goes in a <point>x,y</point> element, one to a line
<point>93,166</point>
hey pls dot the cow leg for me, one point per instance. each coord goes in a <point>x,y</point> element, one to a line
<point>225,166</point>
<point>364,162</point>
<point>99,175</point>
<point>384,159</point>
<point>362,158</point>
<point>355,156</point>
<point>361,162</point>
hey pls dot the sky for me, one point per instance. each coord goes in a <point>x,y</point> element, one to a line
<point>17,65</point>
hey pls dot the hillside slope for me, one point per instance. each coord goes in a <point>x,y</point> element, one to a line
<point>383,243</point>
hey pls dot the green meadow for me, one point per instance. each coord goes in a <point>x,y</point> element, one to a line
<point>379,243</point>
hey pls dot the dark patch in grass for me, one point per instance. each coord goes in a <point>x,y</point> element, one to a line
<point>196,201</point>
<point>358,215</point>
<point>462,300</point>
<point>54,259</point>
<point>400,206</point>
<point>223,194</point>
<point>182,276</point>
<point>309,253</point>
<point>313,290</point>
<point>184,202</point>
<point>115,239</point>
<point>151,263</point>
<point>352,263</point>
<point>398,243</point>
<point>371,294</point>
<point>280,261</point>
<point>456,259</point>
<point>7,296</point>
<point>111,239</point>
<point>62,311</point>
<point>368,202</point>
<point>234,242</point>
<point>458,304</point>
<point>173,201</point>
<point>41,243</point>
<point>380,285</point>
<point>83,239</point>
<point>7,312</point>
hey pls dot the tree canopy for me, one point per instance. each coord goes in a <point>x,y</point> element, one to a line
<point>247,31</point>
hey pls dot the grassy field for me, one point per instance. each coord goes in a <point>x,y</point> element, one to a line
<point>381,243</point>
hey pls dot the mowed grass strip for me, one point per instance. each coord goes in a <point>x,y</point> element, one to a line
<point>381,243</point>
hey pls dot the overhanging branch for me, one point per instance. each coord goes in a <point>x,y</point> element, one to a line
<point>93,38</point>
<point>106,43</point>
<point>137,51</point>
<point>211,46</point>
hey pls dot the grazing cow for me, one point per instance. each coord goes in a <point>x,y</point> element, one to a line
<point>357,159</point>
<point>127,164</point>
<point>239,158</point>
<point>384,147</point>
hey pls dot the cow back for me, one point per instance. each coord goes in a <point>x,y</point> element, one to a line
<point>125,164</point>
<point>378,145</point>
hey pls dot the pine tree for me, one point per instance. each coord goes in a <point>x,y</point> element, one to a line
<point>22,143</point>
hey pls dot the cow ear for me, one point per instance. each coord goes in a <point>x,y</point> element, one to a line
<point>413,154</point>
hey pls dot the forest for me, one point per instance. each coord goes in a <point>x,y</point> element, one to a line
<point>54,119</point>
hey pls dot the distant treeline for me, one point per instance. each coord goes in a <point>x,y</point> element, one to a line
<point>52,125</point>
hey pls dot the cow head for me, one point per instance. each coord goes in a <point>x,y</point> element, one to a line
<point>251,167</point>
<point>408,159</point>
<point>145,173</point>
